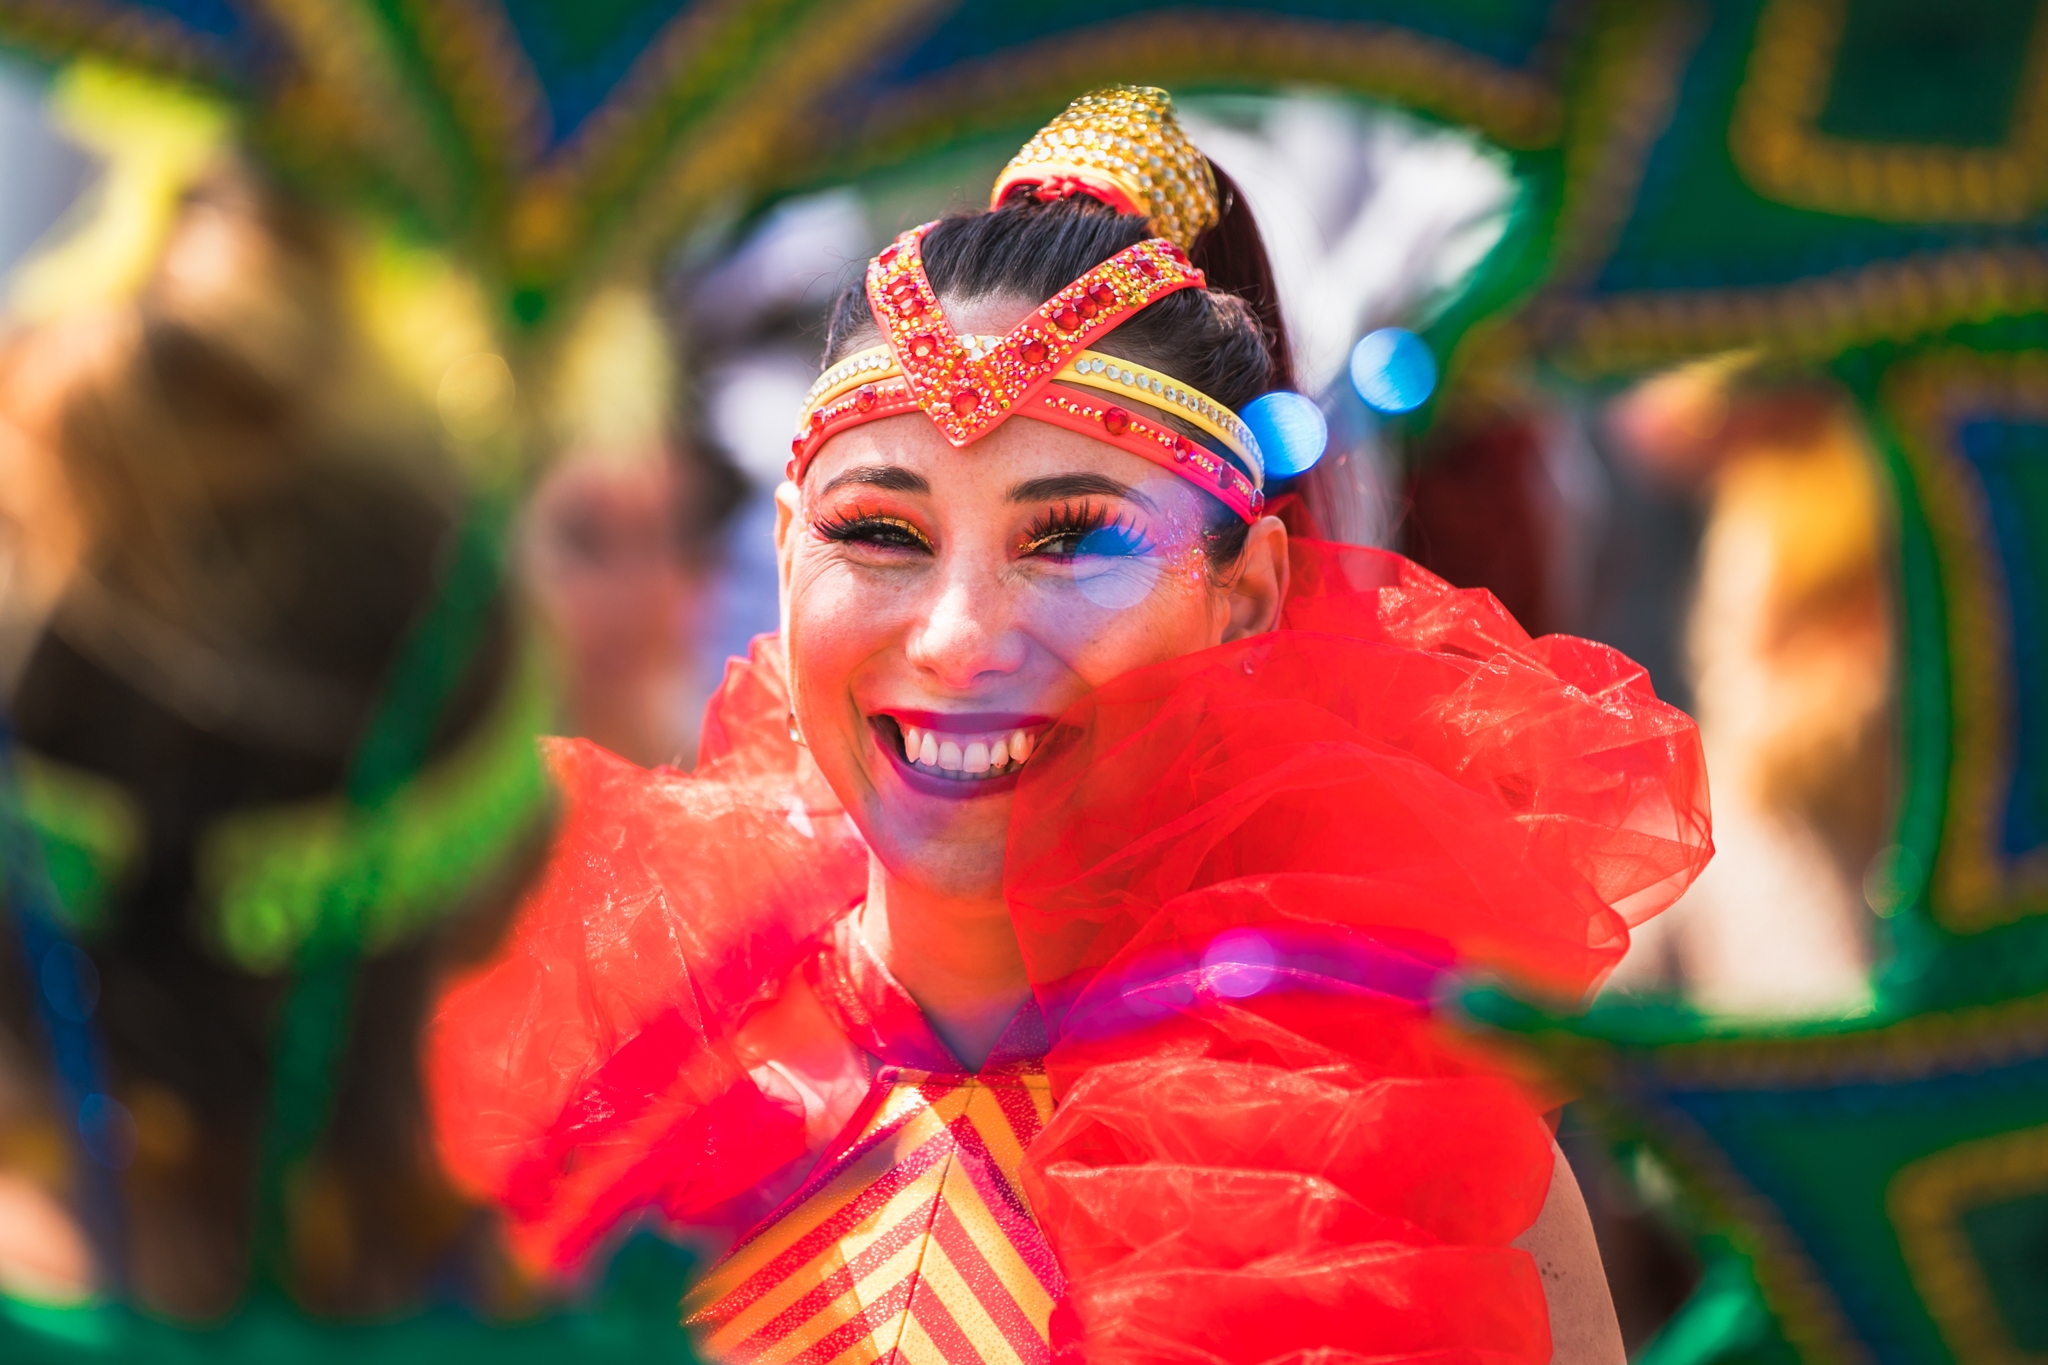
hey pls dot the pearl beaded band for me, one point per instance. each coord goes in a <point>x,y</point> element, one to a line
<point>968,388</point>
<point>1093,369</point>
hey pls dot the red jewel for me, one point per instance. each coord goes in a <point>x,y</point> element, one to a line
<point>1102,296</point>
<point>1068,320</point>
<point>864,398</point>
<point>923,345</point>
<point>1034,351</point>
<point>1172,251</point>
<point>888,255</point>
<point>1087,306</point>
<point>1182,448</point>
<point>817,419</point>
<point>965,402</point>
<point>912,306</point>
<point>1116,421</point>
<point>1143,265</point>
<point>796,448</point>
<point>1223,473</point>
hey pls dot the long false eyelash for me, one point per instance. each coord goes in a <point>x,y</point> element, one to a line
<point>872,528</point>
<point>1070,522</point>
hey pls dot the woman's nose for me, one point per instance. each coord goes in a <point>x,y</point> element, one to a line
<point>967,636</point>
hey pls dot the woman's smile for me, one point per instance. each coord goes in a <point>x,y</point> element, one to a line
<point>958,754</point>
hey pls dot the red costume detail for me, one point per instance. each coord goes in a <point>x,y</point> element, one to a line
<point>1239,877</point>
<point>1097,187</point>
<point>938,365</point>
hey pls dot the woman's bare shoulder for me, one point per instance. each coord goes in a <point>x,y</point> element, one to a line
<point>1583,1329</point>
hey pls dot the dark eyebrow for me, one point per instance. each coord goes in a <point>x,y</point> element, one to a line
<point>893,477</point>
<point>1075,486</point>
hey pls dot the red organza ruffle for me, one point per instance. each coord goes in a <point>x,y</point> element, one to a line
<point>583,1074</point>
<point>1240,878</point>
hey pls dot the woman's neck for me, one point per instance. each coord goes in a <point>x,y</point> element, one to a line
<point>958,958</point>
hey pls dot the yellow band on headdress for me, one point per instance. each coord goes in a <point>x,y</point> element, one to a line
<point>1091,369</point>
<point>1122,145</point>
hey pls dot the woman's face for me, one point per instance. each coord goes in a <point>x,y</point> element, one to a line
<point>945,606</point>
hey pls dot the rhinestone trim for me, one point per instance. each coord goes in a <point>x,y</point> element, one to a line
<point>1094,369</point>
<point>891,397</point>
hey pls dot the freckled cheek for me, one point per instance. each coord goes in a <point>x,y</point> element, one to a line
<point>837,627</point>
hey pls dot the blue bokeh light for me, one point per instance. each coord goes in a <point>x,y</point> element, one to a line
<point>1393,370</point>
<point>1290,430</point>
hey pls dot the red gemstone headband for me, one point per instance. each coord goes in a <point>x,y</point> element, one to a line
<point>968,388</point>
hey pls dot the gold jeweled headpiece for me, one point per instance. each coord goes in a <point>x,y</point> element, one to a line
<point>1120,144</point>
<point>969,385</point>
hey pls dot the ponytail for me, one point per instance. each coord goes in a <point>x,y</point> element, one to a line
<point>1233,255</point>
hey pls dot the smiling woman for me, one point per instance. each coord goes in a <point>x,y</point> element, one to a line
<point>1042,961</point>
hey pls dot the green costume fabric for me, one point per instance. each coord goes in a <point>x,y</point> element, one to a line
<point>631,1319</point>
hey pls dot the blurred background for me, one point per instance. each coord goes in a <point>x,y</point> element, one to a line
<point>381,384</point>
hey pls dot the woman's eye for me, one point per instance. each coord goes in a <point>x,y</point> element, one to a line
<point>888,533</point>
<point>1114,540</point>
<point>881,533</point>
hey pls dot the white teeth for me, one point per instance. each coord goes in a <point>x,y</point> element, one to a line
<point>962,757</point>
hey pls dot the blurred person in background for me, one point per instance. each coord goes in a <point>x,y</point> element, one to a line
<point>1790,638</point>
<point>219,524</point>
<point>623,538</point>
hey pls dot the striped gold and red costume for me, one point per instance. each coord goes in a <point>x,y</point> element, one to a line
<point>911,1240</point>
<point>914,1244</point>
